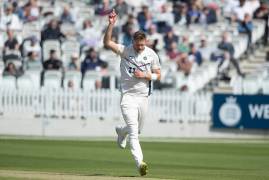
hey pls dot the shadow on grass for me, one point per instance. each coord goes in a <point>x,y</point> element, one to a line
<point>108,175</point>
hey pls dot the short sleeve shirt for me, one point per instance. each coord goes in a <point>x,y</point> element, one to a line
<point>145,61</point>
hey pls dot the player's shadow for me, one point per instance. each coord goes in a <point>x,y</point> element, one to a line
<point>122,176</point>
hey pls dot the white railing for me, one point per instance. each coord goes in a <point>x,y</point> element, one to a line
<point>164,105</point>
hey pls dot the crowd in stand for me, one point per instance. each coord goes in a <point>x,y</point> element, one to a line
<point>158,19</point>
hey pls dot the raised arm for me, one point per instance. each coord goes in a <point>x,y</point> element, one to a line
<point>108,43</point>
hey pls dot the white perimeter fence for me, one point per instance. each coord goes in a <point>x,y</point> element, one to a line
<point>164,105</point>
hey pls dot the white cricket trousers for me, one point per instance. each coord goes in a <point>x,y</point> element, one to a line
<point>134,109</point>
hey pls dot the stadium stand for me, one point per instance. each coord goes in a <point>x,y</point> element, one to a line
<point>71,28</point>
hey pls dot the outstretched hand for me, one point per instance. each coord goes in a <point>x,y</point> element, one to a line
<point>112,17</point>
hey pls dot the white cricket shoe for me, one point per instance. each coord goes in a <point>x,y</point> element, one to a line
<point>122,137</point>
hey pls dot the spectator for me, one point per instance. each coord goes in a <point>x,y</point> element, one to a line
<point>11,47</point>
<point>88,35</point>
<point>121,8</point>
<point>229,7</point>
<point>12,42</point>
<point>180,13</point>
<point>177,11</point>
<point>91,62</point>
<point>34,46</point>
<point>53,63</point>
<point>128,36</point>
<point>31,11</point>
<point>74,10</point>
<point>227,46</point>
<point>263,13</point>
<point>193,14</point>
<point>104,8</point>
<point>173,52</point>
<point>205,49</point>
<point>239,11</point>
<point>155,38</point>
<point>74,63</point>
<point>246,27</point>
<point>33,61</point>
<point>199,4</point>
<point>208,16</point>
<point>184,64</point>
<point>195,54</point>
<point>144,18</point>
<point>11,70</point>
<point>183,45</point>
<point>251,6</point>
<point>52,31</point>
<point>10,20</point>
<point>169,38</point>
<point>18,10</point>
<point>164,19</point>
<point>131,22</point>
<point>66,16</point>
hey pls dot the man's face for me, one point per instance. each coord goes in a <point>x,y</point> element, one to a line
<point>54,55</point>
<point>8,11</point>
<point>10,34</point>
<point>242,2</point>
<point>193,49</point>
<point>54,24</point>
<point>93,54</point>
<point>139,45</point>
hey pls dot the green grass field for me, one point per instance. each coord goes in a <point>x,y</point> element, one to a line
<point>167,160</point>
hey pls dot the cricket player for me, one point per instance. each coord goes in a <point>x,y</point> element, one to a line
<point>139,66</point>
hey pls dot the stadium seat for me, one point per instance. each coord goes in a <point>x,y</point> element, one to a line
<point>35,66</point>
<point>75,77</point>
<point>16,62</point>
<point>90,79</point>
<point>69,29</point>
<point>25,82</point>
<point>8,82</point>
<point>70,45</point>
<point>34,74</point>
<point>49,45</point>
<point>52,79</point>
<point>68,49</point>
<point>31,29</point>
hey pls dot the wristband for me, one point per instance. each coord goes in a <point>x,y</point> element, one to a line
<point>154,76</point>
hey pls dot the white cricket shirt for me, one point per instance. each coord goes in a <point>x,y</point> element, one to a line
<point>145,61</point>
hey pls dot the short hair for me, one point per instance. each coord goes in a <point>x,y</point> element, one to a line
<point>52,51</point>
<point>192,45</point>
<point>139,35</point>
<point>30,53</point>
